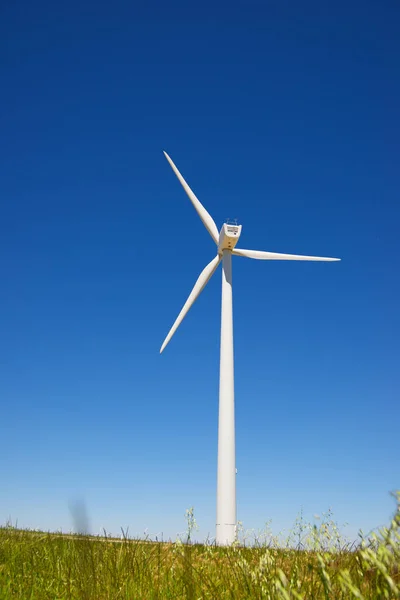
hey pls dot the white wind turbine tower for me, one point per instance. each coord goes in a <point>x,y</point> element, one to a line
<point>225,241</point>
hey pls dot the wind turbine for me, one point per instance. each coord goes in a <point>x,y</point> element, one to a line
<point>225,241</point>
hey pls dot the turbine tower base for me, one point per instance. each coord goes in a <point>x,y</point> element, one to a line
<point>225,534</point>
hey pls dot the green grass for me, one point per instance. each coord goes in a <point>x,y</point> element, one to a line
<point>313,563</point>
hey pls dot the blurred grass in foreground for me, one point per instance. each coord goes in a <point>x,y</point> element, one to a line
<point>314,563</point>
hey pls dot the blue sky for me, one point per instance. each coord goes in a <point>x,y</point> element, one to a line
<point>281,114</point>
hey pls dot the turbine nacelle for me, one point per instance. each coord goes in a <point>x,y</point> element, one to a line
<point>228,237</point>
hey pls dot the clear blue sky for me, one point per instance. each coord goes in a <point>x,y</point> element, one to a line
<point>282,114</point>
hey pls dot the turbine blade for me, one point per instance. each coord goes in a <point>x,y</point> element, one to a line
<point>200,284</point>
<point>258,254</point>
<point>207,219</point>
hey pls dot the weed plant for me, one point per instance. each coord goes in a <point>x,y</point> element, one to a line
<point>313,563</point>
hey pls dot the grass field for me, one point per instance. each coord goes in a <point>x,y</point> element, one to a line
<point>313,563</point>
